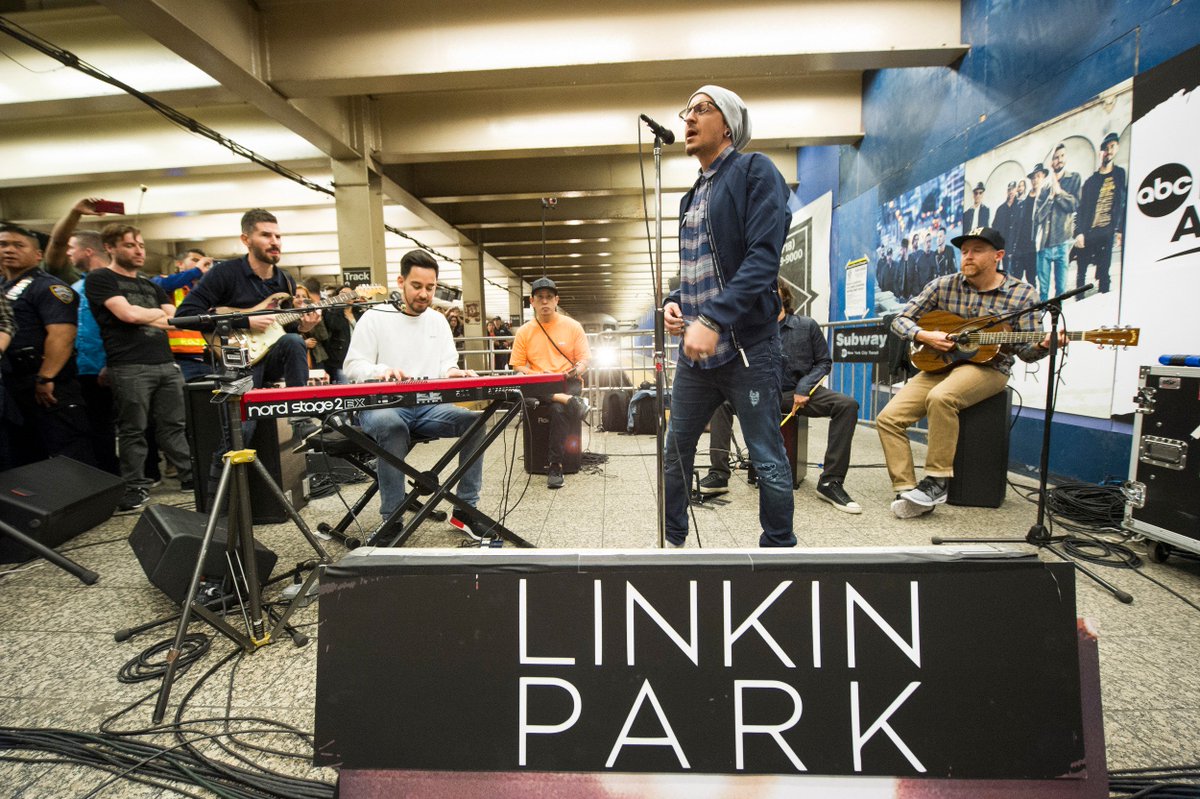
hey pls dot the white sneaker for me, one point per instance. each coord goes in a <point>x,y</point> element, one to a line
<point>903,509</point>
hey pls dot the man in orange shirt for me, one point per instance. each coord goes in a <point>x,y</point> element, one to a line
<point>553,344</point>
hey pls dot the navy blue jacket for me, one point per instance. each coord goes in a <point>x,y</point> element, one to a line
<point>748,220</point>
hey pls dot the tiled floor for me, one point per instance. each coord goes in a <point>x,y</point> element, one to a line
<point>58,659</point>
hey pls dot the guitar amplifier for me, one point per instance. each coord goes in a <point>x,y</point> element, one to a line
<point>1163,494</point>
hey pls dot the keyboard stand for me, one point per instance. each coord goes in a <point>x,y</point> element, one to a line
<point>429,484</point>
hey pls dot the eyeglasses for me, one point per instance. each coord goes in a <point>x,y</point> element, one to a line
<point>701,108</point>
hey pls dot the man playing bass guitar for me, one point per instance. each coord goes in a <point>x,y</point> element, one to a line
<point>977,290</point>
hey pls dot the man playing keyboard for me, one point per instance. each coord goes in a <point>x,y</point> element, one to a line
<point>390,344</point>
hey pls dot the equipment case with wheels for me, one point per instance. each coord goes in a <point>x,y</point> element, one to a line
<point>1162,499</point>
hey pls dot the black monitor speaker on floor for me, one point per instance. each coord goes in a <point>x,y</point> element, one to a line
<point>166,541</point>
<point>53,501</point>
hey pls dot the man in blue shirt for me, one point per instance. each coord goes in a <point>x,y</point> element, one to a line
<point>731,232</point>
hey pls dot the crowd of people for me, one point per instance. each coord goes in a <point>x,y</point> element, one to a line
<point>93,367</point>
<point>97,371</point>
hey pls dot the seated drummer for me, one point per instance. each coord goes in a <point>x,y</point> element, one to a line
<point>978,289</point>
<point>388,344</point>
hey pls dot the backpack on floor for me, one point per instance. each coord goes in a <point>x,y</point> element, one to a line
<point>615,410</point>
<point>643,413</point>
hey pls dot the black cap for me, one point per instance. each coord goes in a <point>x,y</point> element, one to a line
<point>979,187</point>
<point>988,234</point>
<point>1012,184</point>
<point>543,283</point>
<point>1039,168</point>
<point>1110,137</point>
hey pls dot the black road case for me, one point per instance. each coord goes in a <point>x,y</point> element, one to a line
<point>1163,495</point>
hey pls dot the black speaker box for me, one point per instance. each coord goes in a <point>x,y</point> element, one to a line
<point>981,460</point>
<point>273,441</point>
<point>53,501</point>
<point>537,443</point>
<point>167,541</point>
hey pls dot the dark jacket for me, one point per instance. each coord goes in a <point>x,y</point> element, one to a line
<point>805,354</point>
<point>747,223</point>
<point>233,284</point>
<point>339,337</point>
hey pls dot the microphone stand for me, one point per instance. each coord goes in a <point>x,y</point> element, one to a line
<point>212,320</point>
<point>1039,534</point>
<point>660,346</point>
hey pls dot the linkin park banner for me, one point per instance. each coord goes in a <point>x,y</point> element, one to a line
<point>872,663</point>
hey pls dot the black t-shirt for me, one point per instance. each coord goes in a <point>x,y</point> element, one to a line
<point>43,300</point>
<point>125,342</point>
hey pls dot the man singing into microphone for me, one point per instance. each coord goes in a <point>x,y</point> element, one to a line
<point>731,231</point>
<point>401,344</point>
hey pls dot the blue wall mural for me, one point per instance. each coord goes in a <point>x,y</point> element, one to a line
<point>1030,61</point>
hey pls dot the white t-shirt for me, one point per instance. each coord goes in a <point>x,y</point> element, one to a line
<point>384,338</point>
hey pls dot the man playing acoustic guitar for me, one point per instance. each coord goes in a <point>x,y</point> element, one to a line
<point>978,290</point>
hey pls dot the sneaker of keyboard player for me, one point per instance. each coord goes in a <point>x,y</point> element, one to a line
<point>464,527</point>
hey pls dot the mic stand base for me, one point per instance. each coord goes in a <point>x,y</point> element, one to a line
<point>1039,534</point>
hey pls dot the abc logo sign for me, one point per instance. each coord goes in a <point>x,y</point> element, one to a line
<point>1164,190</point>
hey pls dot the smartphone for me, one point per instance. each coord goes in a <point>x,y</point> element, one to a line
<point>109,207</point>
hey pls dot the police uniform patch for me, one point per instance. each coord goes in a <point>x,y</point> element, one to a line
<point>63,294</point>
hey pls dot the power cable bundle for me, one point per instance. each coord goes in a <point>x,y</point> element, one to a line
<point>1178,782</point>
<point>181,765</point>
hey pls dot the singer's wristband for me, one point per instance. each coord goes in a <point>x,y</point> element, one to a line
<point>710,324</point>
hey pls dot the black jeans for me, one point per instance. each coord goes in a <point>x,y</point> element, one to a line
<point>560,423</point>
<point>36,433</point>
<point>841,410</point>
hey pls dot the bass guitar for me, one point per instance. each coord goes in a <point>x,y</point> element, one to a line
<point>979,340</point>
<point>258,343</point>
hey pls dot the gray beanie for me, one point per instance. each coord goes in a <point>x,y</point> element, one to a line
<point>737,116</point>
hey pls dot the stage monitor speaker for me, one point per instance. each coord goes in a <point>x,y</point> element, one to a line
<point>53,501</point>
<point>536,432</point>
<point>981,460</point>
<point>166,541</point>
<point>273,442</point>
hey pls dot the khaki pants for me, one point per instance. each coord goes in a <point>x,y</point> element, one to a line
<point>940,397</point>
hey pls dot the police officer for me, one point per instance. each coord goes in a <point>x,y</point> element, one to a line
<point>45,413</point>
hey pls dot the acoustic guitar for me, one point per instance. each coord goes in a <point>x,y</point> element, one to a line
<point>979,340</point>
<point>258,343</point>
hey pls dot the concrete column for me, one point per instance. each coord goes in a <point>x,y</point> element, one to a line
<point>515,295</point>
<point>360,230</point>
<point>474,311</point>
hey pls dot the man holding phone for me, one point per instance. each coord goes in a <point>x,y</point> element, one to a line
<point>554,344</point>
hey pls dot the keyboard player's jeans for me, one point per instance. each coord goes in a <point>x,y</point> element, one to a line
<point>393,429</point>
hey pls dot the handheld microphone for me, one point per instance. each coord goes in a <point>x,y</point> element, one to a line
<point>667,136</point>
<point>397,301</point>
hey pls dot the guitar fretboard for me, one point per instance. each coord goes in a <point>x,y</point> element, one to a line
<point>1013,337</point>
